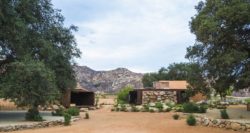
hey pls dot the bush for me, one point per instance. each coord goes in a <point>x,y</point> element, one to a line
<point>178,108</point>
<point>122,96</point>
<point>58,112</point>
<point>33,115</point>
<point>86,115</point>
<point>191,121</point>
<point>123,108</point>
<point>67,119</point>
<point>223,114</point>
<point>151,110</point>
<point>146,107</point>
<point>73,111</point>
<point>176,116</point>
<point>159,105</point>
<point>190,108</point>
<point>134,109</point>
<point>202,108</point>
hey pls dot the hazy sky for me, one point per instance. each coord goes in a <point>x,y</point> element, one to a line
<point>141,35</point>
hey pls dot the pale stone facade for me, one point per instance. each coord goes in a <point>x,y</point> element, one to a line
<point>158,96</point>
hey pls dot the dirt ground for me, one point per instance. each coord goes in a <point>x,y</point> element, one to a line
<point>104,121</point>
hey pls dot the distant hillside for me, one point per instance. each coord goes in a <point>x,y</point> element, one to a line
<point>107,81</point>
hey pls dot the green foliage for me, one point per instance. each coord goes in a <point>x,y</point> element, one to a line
<point>151,110</point>
<point>122,96</point>
<point>222,43</point>
<point>194,108</point>
<point>36,52</point>
<point>33,115</point>
<point>67,119</point>
<point>191,72</point>
<point>134,109</point>
<point>159,105</point>
<point>73,111</point>
<point>58,112</point>
<point>146,107</point>
<point>86,115</point>
<point>247,100</point>
<point>190,108</point>
<point>29,83</point>
<point>178,108</point>
<point>176,116</point>
<point>191,121</point>
<point>224,114</point>
<point>123,107</point>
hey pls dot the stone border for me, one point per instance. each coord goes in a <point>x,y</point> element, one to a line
<point>236,125</point>
<point>43,124</point>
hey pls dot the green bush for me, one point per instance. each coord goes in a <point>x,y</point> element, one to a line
<point>86,115</point>
<point>223,114</point>
<point>159,105</point>
<point>67,119</point>
<point>151,110</point>
<point>176,116</point>
<point>247,100</point>
<point>123,108</point>
<point>146,107</point>
<point>202,108</point>
<point>190,108</point>
<point>33,115</point>
<point>178,108</point>
<point>122,95</point>
<point>73,111</point>
<point>134,109</point>
<point>191,121</point>
<point>58,112</point>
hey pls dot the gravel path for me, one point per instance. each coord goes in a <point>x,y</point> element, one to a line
<point>104,121</point>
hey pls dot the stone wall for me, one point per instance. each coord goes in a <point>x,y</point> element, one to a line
<point>36,125</point>
<point>237,125</point>
<point>158,95</point>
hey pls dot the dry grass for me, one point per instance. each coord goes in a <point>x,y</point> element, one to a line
<point>7,105</point>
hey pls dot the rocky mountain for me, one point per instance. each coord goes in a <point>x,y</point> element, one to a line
<point>107,81</point>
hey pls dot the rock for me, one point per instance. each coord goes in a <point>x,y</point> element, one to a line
<point>55,107</point>
<point>235,126</point>
<point>84,109</point>
<point>107,81</point>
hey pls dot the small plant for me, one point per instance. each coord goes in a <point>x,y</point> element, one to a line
<point>202,108</point>
<point>67,119</point>
<point>223,114</point>
<point>58,112</point>
<point>167,109</point>
<point>151,110</point>
<point>178,108</point>
<point>190,108</point>
<point>73,111</point>
<point>134,109</point>
<point>159,105</point>
<point>33,115</point>
<point>112,109</point>
<point>146,107</point>
<point>123,108</point>
<point>191,121</point>
<point>176,116</point>
<point>86,115</point>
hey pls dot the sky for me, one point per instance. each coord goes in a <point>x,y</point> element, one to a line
<point>141,35</point>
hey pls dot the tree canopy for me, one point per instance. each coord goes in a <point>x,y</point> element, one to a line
<point>33,35</point>
<point>190,72</point>
<point>222,48</point>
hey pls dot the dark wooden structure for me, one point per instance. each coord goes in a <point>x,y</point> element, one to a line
<point>80,97</point>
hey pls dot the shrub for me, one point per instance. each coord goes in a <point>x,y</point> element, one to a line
<point>58,112</point>
<point>73,111</point>
<point>123,107</point>
<point>203,108</point>
<point>176,116</point>
<point>151,110</point>
<point>134,109</point>
<point>86,115</point>
<point>168,110</point>
<point>223,114</point>
<point>159,105</point>
<point>191,121</point>
<point>33,115</point>
<point>122,96</point>
<point>112,109</point>
<point>190,108</point>
<point>247,100</point>
<point>146,107</point>
<point>178,108</point>
<point>67,119</point>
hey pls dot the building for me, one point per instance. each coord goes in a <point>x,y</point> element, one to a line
<point>163,91</point>
<point>80,96</point>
